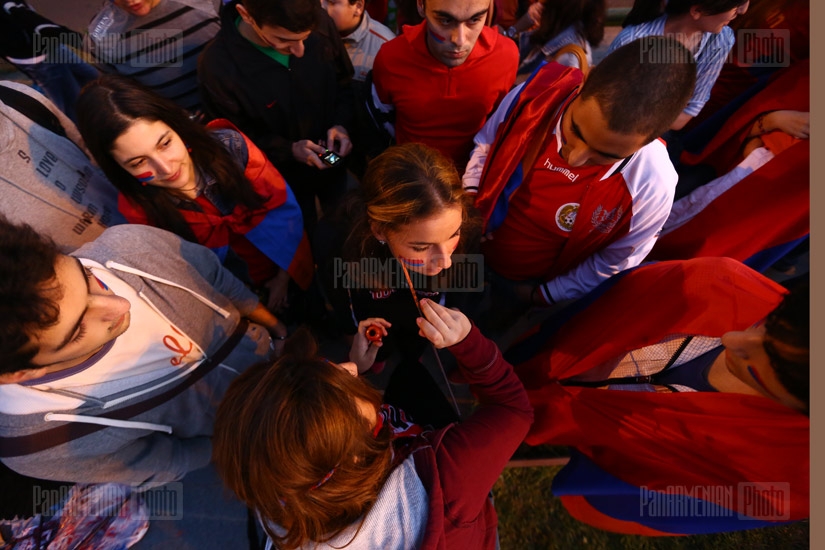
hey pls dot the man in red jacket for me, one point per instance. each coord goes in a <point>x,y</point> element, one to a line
<point>444,76</point>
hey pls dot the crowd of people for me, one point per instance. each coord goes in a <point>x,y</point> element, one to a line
<point>193,228</point>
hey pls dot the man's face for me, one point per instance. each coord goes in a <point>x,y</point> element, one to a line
<point>747,359</point>
<point>90,315</point>
<point>586,139</point>
<point>137,8</point>
<point>282,40</point>
<point>278,38</point>
<point>453,27</point>
<point>346,16</point>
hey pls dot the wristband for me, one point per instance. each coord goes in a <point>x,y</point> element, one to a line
<point>544,301</point>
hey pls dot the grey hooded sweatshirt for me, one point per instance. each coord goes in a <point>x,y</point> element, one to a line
<point>185,283</point>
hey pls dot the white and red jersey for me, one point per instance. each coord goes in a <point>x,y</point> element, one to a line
<point>542,212</point>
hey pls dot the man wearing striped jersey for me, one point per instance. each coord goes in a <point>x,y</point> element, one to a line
<point>156,42</point>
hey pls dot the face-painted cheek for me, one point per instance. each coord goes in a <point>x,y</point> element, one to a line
<point>758,379</point>
<point>101,283</point>
<point>412,262</point>
<point>437,37</point>
<point>145,177</point>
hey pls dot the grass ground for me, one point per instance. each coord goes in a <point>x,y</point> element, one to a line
<point>530,518</point>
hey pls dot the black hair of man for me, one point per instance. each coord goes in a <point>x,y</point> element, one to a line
<point>27,261</point>
<point>790,325</point>
<point>293,15</point>
<point>642,86</point>
<point>648,10</point>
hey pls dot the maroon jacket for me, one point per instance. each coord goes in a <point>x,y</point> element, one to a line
<point>459,464</point>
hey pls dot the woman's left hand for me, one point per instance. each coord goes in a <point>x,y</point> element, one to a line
<point>363,351</point>
<point>442,326</point>
<point>276,329</point>
<point>338,141</point>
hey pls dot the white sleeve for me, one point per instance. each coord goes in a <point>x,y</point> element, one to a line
<point>484,140</point>
<point>384,108</point>
<point>689,206</point>
<point>651,180</point>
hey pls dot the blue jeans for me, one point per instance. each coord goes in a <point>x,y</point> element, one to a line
<point>61,80</point>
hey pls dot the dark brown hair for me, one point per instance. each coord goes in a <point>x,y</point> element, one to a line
<point>648,10</point>
<point>642,86</point>
<point>281,429</point>
<point>108,106</point>
<point>27,292</point>
<point>790,325</point>
<point>293,15</point>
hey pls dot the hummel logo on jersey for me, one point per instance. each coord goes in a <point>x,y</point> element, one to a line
<point>570,175</point>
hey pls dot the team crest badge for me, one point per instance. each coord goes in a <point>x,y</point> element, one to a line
<point>566,216</point>
<point>605,220</point>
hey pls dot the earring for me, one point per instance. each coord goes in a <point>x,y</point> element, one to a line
<point>382,242</point>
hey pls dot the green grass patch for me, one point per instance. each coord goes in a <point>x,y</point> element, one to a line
<point>531,518</point>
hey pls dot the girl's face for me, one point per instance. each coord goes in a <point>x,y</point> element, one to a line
<point>425,246</point>
<point>715,23</point>
<point>155,155</point>
<point>746,359</point>
<point>138,8</point>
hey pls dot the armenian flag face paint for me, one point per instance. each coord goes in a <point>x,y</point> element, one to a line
<point>747,359</point>
<point>453,28</point>
<point>145,177</point>
<point>100,283</point>
<point>155,155</point>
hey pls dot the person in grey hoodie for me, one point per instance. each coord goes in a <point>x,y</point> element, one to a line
<point>47,177</point>
<point>115,358</point>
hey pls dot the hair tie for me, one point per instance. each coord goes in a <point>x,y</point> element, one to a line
<point>325,479</point>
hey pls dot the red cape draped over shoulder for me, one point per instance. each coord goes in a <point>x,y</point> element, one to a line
<point>657,440</point>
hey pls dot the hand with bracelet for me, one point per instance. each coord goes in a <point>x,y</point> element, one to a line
<point>276,329</point>
<point>529,21</point>
<point>794,123</point>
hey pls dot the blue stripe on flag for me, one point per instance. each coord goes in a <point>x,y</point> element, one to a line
<point>669,513</point>
<point>280,232</point>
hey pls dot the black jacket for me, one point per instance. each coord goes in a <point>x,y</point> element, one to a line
<point>276,106</point>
